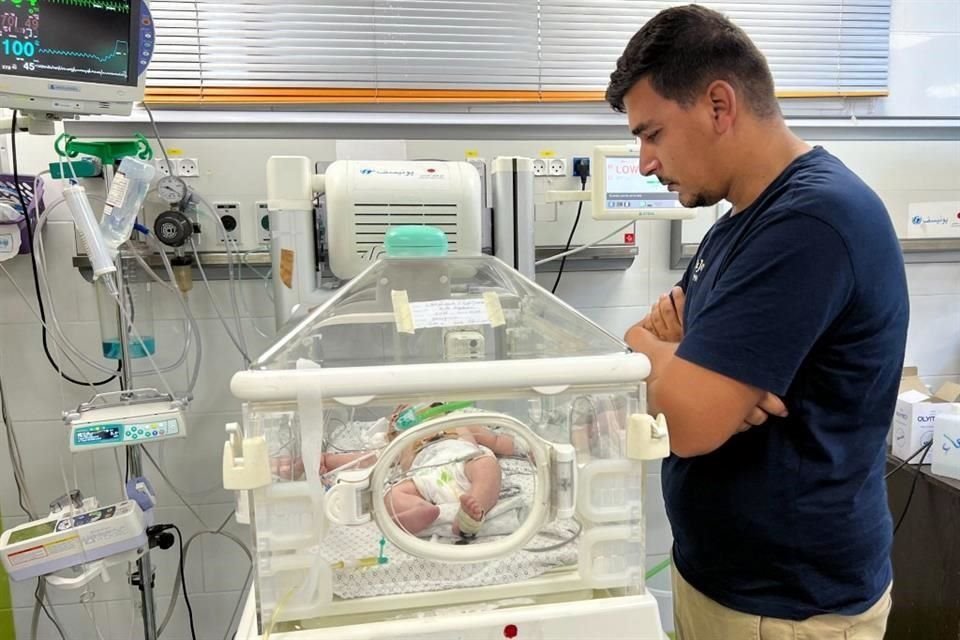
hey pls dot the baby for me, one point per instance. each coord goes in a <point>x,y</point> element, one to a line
<point>447,467</point>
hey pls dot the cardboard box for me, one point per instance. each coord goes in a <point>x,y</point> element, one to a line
<point>916,413</point>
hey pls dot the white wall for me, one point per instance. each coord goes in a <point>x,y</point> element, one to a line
<point>233,169</point>
<point>924,59</point>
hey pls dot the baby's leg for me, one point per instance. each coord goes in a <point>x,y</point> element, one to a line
<point>484,475</point>
<point>408,508</point>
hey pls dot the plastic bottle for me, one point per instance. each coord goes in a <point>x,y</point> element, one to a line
<point>97,250</point>
<point>127,193</point>
<point>946,443</point>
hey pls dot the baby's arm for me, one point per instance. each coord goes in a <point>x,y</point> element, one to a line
<point>500,444</point>
<point>406,458</point>
<point>333,461</point>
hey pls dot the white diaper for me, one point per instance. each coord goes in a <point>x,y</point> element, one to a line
<point>438,470</point>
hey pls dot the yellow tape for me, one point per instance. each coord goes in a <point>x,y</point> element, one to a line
<point>287,257</point>
<point>471,153</point>
<point>547,153</point>
<point>494,310</point>
<point>402,314</point>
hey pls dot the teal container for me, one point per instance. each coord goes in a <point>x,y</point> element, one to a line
<point>415,242</point>
<point>140,310</point>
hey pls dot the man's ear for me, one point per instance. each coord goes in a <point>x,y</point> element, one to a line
<point>723,105</point>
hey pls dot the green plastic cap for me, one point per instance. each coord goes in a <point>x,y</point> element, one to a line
<point>415,242</point>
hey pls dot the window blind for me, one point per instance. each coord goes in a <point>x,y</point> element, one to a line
<point>475,50</point>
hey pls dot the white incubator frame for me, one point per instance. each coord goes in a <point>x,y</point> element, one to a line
<point>303,588</point>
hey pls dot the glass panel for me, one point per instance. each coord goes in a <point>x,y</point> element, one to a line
<point>468,486</point>
<point>449,310</point>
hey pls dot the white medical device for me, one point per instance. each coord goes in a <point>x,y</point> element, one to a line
<point>621,192</point>
<point>69,537</point>
<point>363,200</point>
<point>561,552</point>
<point>119,419</point>
<point>70,58</point>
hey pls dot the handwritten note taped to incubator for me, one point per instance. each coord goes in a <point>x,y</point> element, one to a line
<point>449,313</point>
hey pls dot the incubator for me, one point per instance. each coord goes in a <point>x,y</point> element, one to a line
<point>421,381</point>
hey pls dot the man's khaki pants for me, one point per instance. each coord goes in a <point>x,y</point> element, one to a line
<point>697,617</point>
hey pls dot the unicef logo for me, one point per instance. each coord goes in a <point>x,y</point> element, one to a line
<point>917,219</point>
<point>367,172</point>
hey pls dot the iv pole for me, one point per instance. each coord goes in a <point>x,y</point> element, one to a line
<point>143,579</point>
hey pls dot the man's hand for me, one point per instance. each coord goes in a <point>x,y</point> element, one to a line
<point>665,319</point>
<point>697,431</point>
<point>769,405</point>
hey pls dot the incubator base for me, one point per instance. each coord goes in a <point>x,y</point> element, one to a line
<point>636,617</point>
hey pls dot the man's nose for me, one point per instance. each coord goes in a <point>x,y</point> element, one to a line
<point>648,162</point>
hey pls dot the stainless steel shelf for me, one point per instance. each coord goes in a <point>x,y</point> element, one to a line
<point>916,250</point>
<point>248,265</point>
<point>592,259</point>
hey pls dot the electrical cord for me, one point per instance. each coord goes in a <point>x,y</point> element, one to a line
<point>573,230</point>
<point>39,595</point>
<point>231,259</point>
<point>908,460</point>
<point>54,327</point>
<point>16,459</point>
<point>156,133</point>
<point>913,487</point>
<point>584,247</point>
<point>170,484</point>
<point>33,263</point>
<point>186,550</point>
<point>193,328</point>
<point>183,583</point>
<point>239,341</point>
<point>216,306</point>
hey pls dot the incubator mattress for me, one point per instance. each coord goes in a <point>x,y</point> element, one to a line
<point>407,574</point>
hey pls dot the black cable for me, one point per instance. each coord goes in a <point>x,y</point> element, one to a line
<point>907,461</point>
<point>33,263</point>
<point>183,583</point>
<point>12,447</point>
<point>36,595</point>
<point>913,487</point>
<point>573,230</point>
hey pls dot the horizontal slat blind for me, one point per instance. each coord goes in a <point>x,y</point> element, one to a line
<point>478,50</point>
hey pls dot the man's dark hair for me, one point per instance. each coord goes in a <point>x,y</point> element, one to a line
<point>683,49</point>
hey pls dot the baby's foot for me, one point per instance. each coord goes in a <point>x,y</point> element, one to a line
<point>286,467</point>
<point>470,507</point>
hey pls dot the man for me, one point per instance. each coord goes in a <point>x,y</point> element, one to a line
<point>776,361</point>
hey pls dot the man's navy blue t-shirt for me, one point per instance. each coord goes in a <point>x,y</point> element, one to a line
<point>802,294</point>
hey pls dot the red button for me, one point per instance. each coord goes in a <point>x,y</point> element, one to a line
<point>510,631</point>
<point>629,238</point>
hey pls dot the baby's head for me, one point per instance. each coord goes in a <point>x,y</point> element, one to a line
<point>406,416</point>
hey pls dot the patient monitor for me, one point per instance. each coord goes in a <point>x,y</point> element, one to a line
<point>62,59</point>
<point>622,192</point>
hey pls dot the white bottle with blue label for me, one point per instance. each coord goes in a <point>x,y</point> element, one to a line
<point>946,443</point>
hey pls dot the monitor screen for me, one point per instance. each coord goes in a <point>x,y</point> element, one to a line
<point>92,41</point>
<point>627,188</point>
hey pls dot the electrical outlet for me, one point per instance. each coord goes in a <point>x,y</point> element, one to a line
<point>581,164</point>
<point>539,167</point>
<point>186,167</point>
<point>163,169</point>
<point>263,224</point>
<point>557,167</point>
<point>229,213</point>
